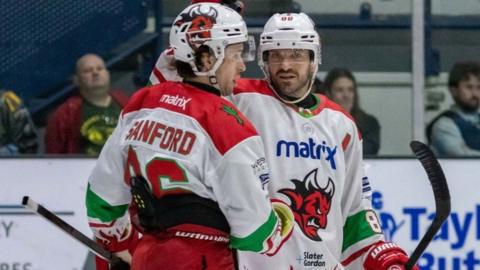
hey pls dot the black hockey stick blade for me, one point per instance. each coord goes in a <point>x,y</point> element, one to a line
<point>67,228</point>
<point>440,192</point>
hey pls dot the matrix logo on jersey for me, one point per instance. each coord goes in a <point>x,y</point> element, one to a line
<point>309,149</point>
<point>310,203</point>
<point>175,100</point>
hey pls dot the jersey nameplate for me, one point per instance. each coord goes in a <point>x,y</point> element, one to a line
<point>166,137</point>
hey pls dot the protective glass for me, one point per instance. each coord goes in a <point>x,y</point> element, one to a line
<point>244,51</point>
<point>249,49</point>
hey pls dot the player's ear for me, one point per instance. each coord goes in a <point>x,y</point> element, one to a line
<point>204,58</point>
<point>206,61</point>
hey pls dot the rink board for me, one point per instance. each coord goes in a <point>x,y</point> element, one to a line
<point>401,193</point>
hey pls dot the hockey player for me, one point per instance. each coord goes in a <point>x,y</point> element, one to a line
<point>315,154</point>
<point>193,164</point>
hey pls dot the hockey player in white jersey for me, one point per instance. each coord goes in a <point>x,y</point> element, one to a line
<point>193,165</point>
<point>315,154</point>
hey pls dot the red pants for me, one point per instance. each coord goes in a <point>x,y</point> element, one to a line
<point>187,247</point>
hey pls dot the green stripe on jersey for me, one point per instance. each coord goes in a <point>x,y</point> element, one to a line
<point>100,209</point>
<point>356,229</point>
<point>254,242</point>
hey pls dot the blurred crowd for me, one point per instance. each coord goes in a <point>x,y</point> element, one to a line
<point>83,122</point>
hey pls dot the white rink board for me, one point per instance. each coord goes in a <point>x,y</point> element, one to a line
<point>28,242</point>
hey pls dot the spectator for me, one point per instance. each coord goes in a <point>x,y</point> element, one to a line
<point>456,132</point>
<point>17,131</point>
<point>83,123</point>
<point>341,87</point>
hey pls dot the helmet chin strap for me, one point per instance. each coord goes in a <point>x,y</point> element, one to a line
<point>212,74</point>
<point>214,82</point>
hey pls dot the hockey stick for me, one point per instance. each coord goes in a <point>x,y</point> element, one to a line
<point>440,192</point>
<point>64,226</point>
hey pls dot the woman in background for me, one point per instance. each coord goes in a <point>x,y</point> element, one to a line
<point>340,86</point>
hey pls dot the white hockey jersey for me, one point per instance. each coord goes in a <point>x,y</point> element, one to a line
<point>315,160</point>
<point>183,139</point>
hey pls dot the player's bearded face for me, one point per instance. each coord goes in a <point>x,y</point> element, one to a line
<point>290,71</point>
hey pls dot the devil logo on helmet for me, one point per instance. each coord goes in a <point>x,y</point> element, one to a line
<point>310,203</point>
<point>199,20</point>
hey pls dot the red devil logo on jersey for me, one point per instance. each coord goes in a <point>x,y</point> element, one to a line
<point>310,203</point>
<point>199,20</point>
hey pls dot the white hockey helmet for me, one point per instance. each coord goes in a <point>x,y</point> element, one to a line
<point>289,31</point>
<point>212,25</point>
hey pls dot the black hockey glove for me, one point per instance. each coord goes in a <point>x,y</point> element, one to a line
<point>144,201</point>
<point>119,265</point>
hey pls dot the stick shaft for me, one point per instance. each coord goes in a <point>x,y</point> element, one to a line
<point>67,228</point>
<point>440,192</point>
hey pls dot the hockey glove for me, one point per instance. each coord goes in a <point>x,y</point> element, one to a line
<point>144,202</point>
<point>386,256</point>
<point>122,244</point>
<point>119,265</point>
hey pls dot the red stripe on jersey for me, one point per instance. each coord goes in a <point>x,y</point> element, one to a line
<point>334,106</point>
<point>345,141</point>
<point>225,125</point>
<point>253,86</point>
<point>159,75</point>
<point>99,225</point>
<point>357,254</point>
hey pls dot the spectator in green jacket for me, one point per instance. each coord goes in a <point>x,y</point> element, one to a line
<point>83,123</point>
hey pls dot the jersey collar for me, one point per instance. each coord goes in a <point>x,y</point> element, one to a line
<point>204,87</point>
<point>316,106</point>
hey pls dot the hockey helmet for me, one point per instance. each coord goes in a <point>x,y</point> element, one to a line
<point>209,24</point>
